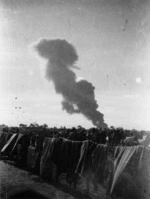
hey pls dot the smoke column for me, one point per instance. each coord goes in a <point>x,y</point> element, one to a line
<point>78,96</point>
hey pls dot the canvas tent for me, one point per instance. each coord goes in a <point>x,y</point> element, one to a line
<point>122,171</point>
<point>16,147</point>
<point>4,137</point>
<point>5,151</point>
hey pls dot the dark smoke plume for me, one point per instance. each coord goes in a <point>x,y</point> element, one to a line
<point>78,97</point>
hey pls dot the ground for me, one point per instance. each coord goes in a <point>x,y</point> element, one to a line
<point>14,180</point>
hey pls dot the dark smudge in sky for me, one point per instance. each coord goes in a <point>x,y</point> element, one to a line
<point>78,96</point>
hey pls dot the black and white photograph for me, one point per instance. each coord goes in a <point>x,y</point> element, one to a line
<point>74,99</point>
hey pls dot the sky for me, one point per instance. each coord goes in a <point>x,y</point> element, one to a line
<point>112,40</point>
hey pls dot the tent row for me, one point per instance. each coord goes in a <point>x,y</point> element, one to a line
<point>120,171</point>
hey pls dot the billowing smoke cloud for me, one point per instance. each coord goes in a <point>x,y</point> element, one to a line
<point>78,96</point>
